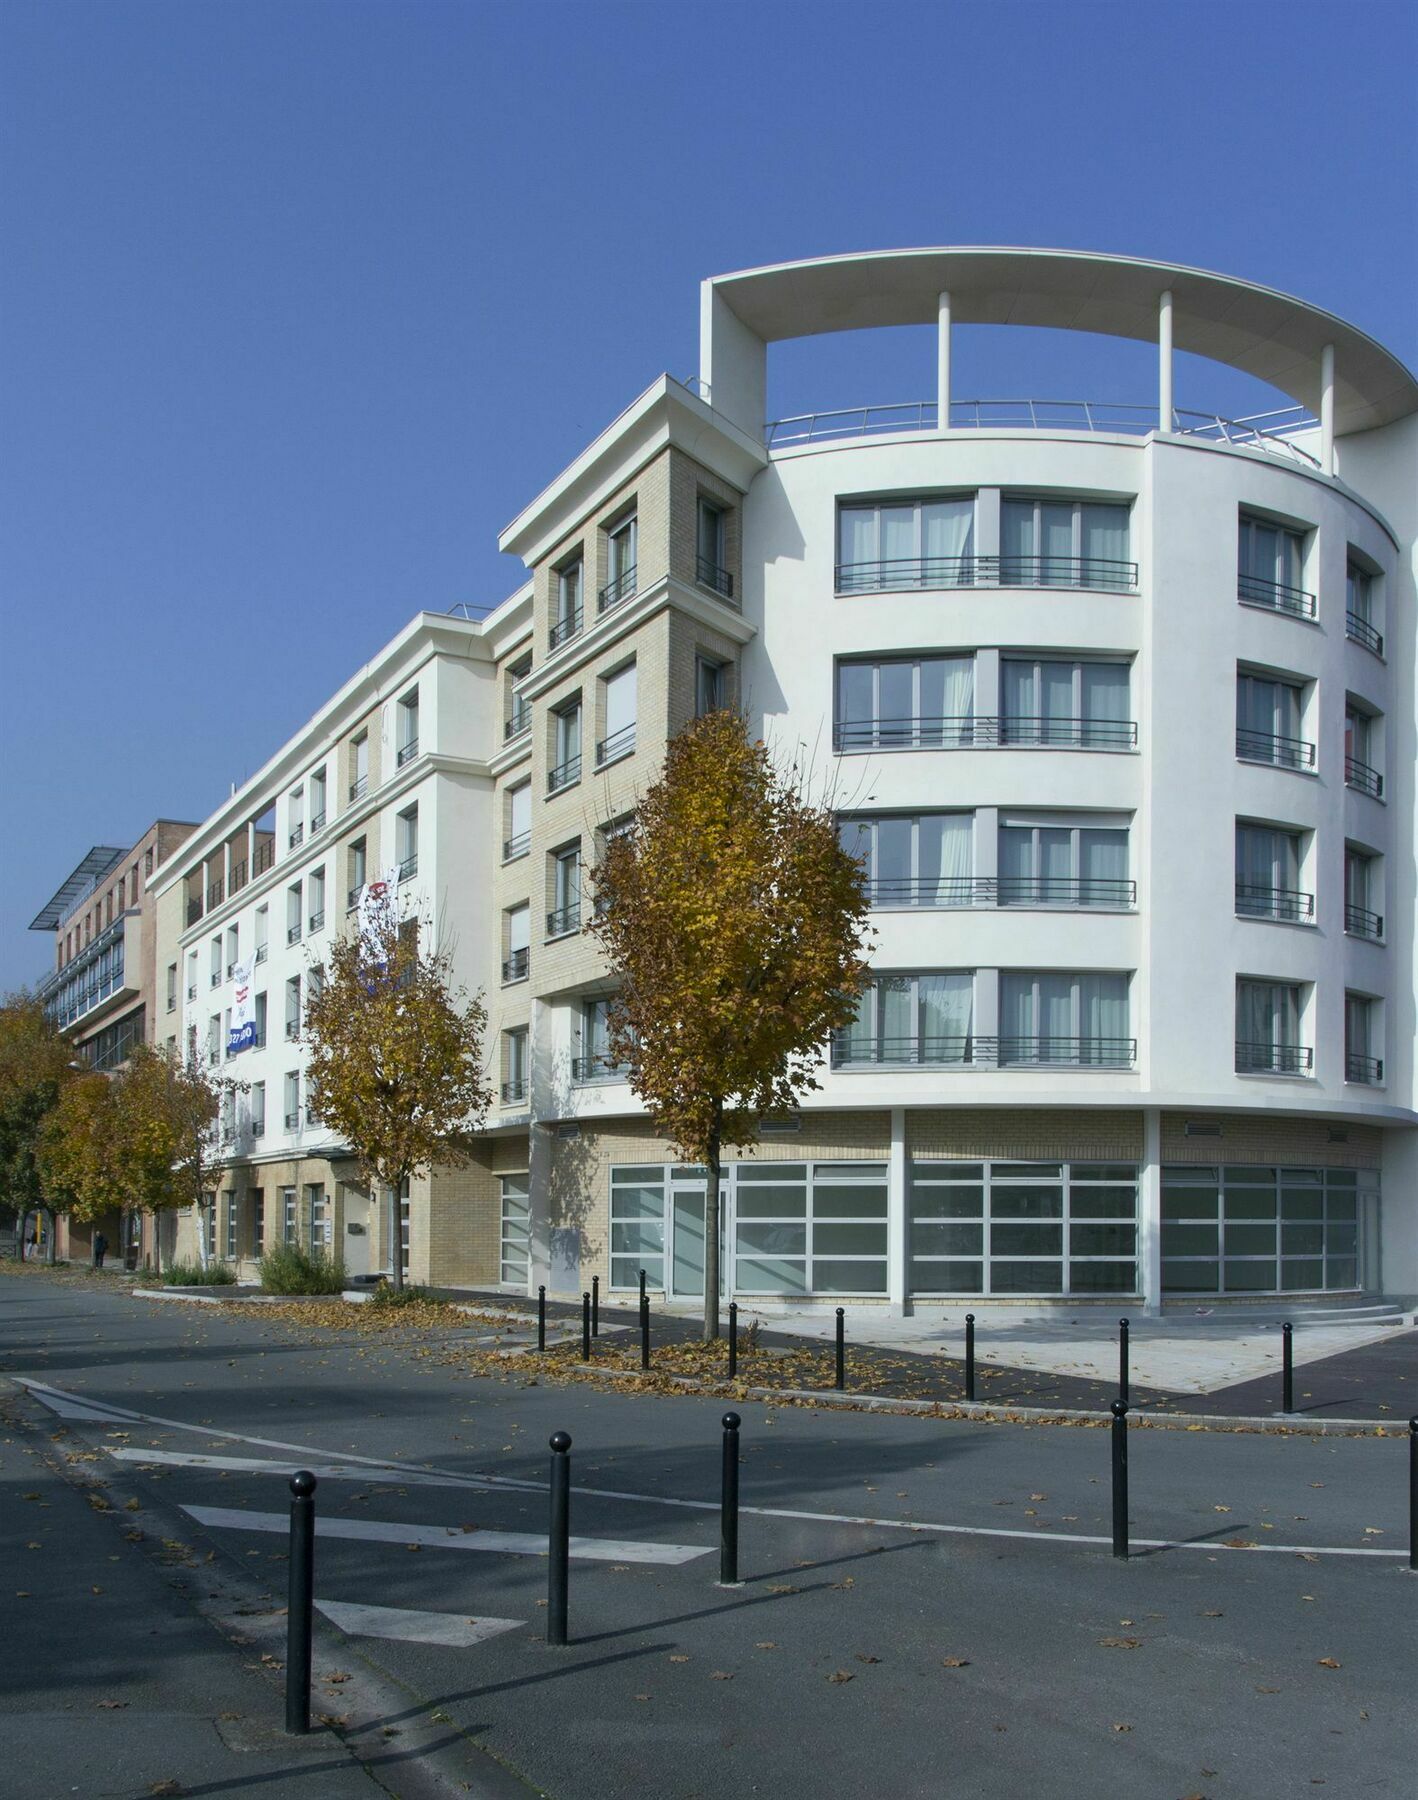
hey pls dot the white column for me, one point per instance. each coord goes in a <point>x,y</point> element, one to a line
<point>1149,1212</point>
<point>1164,362</point>
<point>942,365</point>
<point>540,1149</point>
<point>1327,409</point>
<point>897,1246</point>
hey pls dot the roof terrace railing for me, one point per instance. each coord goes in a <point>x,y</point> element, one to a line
<point>1259,431</point>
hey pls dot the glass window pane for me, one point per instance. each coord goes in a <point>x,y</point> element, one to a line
<point>1026,1202</point>
<point>849,1240</point>
<point>1341,1272</point>
<point>948,1203</point>
<point>1191,1277</point>
<point>1102,1202</point>
<point>1026,1240</point>
<point>947,1240</point>
<point>856,689</point>
<point>1102,1240</point>
<point>1190,1240</point>
<point>1026,1277</point>
<point>1306,1274</point>
<point>1308,1203</point>
<point>848,1203</point>
<point>757,1238</point>
<point>765,1275</point>
<point>1301,1240</point>
<point>1102,1277</point>
<point>947,1278</point>
<point>848,1277</point>
<point>772,1203</point>
<point>1250,1240</point>
<point>1250,1277</point>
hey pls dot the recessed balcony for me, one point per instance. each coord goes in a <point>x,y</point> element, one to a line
<point>1271,747</point>
<point>1363,778</point>
<point>1289,905</point>
<point>1274,1059</point>
<point>929,1050</point>
<point>1275,596</point>
<point>906,574</point>
<point>984,732</point>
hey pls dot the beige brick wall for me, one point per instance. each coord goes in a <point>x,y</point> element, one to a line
<point>688,480</point>
<point>1280,1138</point>
<point>1024,1135</point>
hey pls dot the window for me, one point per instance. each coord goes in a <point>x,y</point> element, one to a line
<point>359,766</point>
<point>637,1226</point>
<point>288,1215</point>
<point>357,870</point>
<point>233,950</point>
<point>209,1223</point>
<point>1271,568</point>
<point>406,842</point>
<point>711,558</point>
<point>258,1109</point>
<point>1360,1039</point>
<point>214,1040</point>
<point>1361,895</point>
<point>565,914</point>
<point>408,729</point>
<point>172,987</point>
<point>256,1201</point>
<point>263,931</point>
<point>259,1010</point>
<point>569,611</point>
<point>319,1224</point>
<point>1361,609</point>
<point>519,821</point>
<point>908,704</point>
<point>1071,705</point>
<point>1268,874</point>
<point>1268,1029</point>
<point>294,904</point>
<point>1022,1228</point>
<point>1244,1230</point>
<point>810,1228</point>
<point>1054,863</point>
<point>619,701</point>
<point>566,748</point>
<point>910,1019</point>
<point>317,899</point>
<point>516,1231</point>
<point>147,864</point>
<point>710,686</point>
<point>1064,543</point>
<point>1361,751</point>
<point>226,1033</point>
<point>595,1062</point>
<point>519,718</point>
<point>925,861</point>
<point>519,929</point>
<point>1079,1019</point>
<point>514,1066</point>
<point>1268,714</point>
<point>293,1100</point>
<point>229,1207</point>
<point>293,1009</point>
<point>315,980</point>
<point>295,814</point>
<point>191,974</point>
<point>620,563</point>
<point>215,962</point>
<point>906,544</point>
<point>317,801</point>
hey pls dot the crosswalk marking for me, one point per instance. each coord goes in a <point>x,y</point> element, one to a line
<point>411,1626</point>
<point>268,1465</point>
<point>451,1537</point>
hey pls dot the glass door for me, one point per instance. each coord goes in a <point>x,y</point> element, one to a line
<point>687,1240</point>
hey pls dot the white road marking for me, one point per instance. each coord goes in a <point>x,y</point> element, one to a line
<point>411,1626</point>
<point>79,1409</point>
<point>266,1465</point>
<point>451,1537</point>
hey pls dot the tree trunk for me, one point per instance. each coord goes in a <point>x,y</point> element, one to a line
<point>396,1237</point>
<point>711,1235</point>
<point>157,1243</point>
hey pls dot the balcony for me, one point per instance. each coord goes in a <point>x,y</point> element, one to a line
<point>352,897</point>
<point>1274,1059</point>
<point>316,920</point>
<point>293,933</point>
<point>944,1051</point>
<point>297,836</point>
<point>215,893</point>
<point>1289,905</point>
<point>515,966</point>
<point>514,847</point>
<point>230,970</point>
<point>258,1128</point>
<point>1360,922</point>
<point>292,1030</point>
<point>565,628</point>
<point>236,880</point>
<point>216,979</point>
<point>617,745</point>
<point>520,721</point>
<point>564,920</point>
<point>1368,1071</point>
<point>409,867</point>
<point>264,857</point>
<point>599,1066</point>
<point>261,952</point>
<point>1359,631</point>
<point>1275,596</point>
<point>192,991</point>
<point>317,821</point>
<point>407,753</point>
<point>514,1093</point>
<point>359,787</point>
<point>905,574</point>
<point>564,775</point>
<point>1111,894</point>
<point>194,911</point>
<point>708,574</point>
<point>1269,747</point>
<point>1363,778</point>
<point>982,732</point>
<point>292,1121</point>
<point>616,593</point>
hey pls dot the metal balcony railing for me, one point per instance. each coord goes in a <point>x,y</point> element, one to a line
<point>215,892</point>
<point>192,991</point>
<point>292,1030</point>
<point>1074,1052</point>
<point>1360,922</point>
<point>984,732</point>
<point>194,911</point>
<point>514,847</point>
<point>293,933</point>
<point>1273,1059</point>
<point>519,721</point>
<point>895,574</point>
<point>1111,893</point>
<point>359,787</point>
<point>236,880</point>
<point>409,867</point>
<point>1270,747</point>
<point>258,1128</point>
<point>564,775</point>
<point>1369,1070</point>
<point>616,592</point>
<point>1254,901</point>
<point>944,1050</point>
<point>297,836</point>
<point>352,897</point>
<point>708,574</point>
<point>292,1121</point>
<point>317,822</point>
<point>261,953</point>
<point>316,920</point>
<point>618,744</point>
<point>1275,596</point>
<point>264,857</point>
<point>564,919</point>
<point>1359,631</point>
<point>514,1092</point>
<point>565,628</point>
<point>407,753</point>
<point>515,965</point>
<point>599,1066</point>
<point>1360,775</point>
<point>216,979</point>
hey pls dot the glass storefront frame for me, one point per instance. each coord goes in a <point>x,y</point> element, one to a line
<point>1270,1229</point>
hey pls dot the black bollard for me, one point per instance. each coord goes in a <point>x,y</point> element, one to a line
<point>841,1381</point>
<point>1413,1493</point>
<point>1287,1367</point>
<point>298,1610</point>
<point>586,1327</point>
<point>595,1306</point>
<point>541,1318</point>
<point>559,1537</point>
<point>1123,1329</point>
<point>642,1287</point>
<point>969,1356</point>
<point>1120,1480</point>
<point>733,1340</point>
<point>644,1332</point>
<point>729,1506</point>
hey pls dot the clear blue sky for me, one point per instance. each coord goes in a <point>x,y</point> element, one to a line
<point>301,302</point>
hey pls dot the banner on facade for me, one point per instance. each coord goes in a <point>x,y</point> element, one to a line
<point>241,1032</point>
<point>376,904</point>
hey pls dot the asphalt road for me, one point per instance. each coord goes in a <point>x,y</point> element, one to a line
<point>929,1607</point>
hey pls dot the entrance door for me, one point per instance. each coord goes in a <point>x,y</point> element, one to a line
<point>687,1240</point>
<point>358,1220</point>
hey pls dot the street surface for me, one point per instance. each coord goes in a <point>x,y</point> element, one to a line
<point>929,1607</point>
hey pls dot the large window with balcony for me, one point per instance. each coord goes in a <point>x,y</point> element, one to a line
<point>923,861</point>
<point>1268,1016</point>
<point>565,768</point>
<point>292,1088</point>
<point>1361,895</point>
<point>408,728</point>
<point>315,918</point>
<point>1362,1064</point>
<point>711,562</point>
<point>711,685</point>
<point>1066,704</point>
<point>406,842</point>
<point>519,710</point>
<point>294,904</point>
<point>1053,542</point>
<point>1271,568</point>
<point>295,816</point>
<point>1057,861</point>
<point>1361,622</point>
<point>1053,1017</point>
<point>906,703</point>
<point>892,544</point>
<point>519,822</point>
<point>359,767</point>
<point>518,934</point>
<point>1268,862</point>
<point>317,801</point>
<point>514,1066</point>
<point>358,869</point>
<point>568,610</point>
<point>594,1061</point>
<point>565,913</point>
<point>910,1019</point>
<point>1361,750</point>
<point>1269,711</point>
<point>258,1109</point>
<point>622,554</point>
<point>1023,1228</point>
<point>618,698</point>
<point>516,1231</point>
<point>292,1009</point>
<point>1243,1230</point>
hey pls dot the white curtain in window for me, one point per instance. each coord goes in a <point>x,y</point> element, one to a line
<point>1103,857</point>
<point>948,693</point>
<point>1104,539</point>
<point>898,535</point>
<point>858,537</point>
<point>1103,1006</point>
<point>1105,692</point>
<point>1056,545</point>
<point>946,1011</point>
<point>519,928</point>
<point>1016,534</point>
<point>521,810</point>
<point>897,1005</point>
<point>945,857</point>
<point>620,702</point>
<point>947,537</point>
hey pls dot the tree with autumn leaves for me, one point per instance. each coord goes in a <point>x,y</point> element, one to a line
<point>734,922</point>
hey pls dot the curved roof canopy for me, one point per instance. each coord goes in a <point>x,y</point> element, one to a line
<point>1268,334</point>
<point>89,872</point>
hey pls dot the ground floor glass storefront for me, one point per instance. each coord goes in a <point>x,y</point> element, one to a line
<point>1242,1230</point>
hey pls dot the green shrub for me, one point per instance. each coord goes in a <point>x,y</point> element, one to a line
<point>287,1269</point>
<point>192,1274</point>
<point>387,1295</point>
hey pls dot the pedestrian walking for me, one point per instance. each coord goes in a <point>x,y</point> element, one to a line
<point>100,1249</point>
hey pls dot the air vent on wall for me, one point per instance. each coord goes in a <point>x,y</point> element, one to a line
<point>779,1127</point>
<point>1202,1128</point>
<point>1338,1137</point>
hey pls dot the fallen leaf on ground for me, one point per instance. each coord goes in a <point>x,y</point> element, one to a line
<point>679,1659</point>
<point>721,1675</point>
<point>1328,1662</point>
<point>863,1657</point>
<point>840,1675</point>
<point>113,1705</point>
<point>1122,1728</point>
<point>1117,1643</point>
<point>767,1644</point>
<point>955,1662</point>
